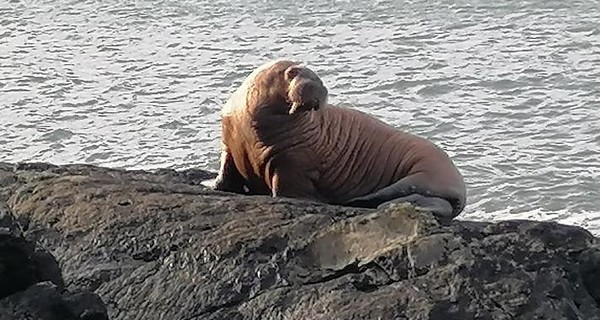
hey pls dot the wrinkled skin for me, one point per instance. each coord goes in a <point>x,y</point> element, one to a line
<point>280,137</point>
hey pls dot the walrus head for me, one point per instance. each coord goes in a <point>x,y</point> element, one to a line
<point>305,91</point>
<point>281,86</point>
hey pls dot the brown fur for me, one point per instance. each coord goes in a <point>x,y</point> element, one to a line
<point>280,137</point>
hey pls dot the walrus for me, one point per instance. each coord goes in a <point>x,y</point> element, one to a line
<point>281,137</point>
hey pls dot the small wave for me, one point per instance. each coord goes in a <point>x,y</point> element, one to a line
<point>56,135</point>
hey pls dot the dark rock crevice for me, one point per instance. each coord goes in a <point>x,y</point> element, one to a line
<point>31,282</point>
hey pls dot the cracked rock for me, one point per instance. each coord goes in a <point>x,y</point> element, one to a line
<point>31,284</point>
<point>178,250</point>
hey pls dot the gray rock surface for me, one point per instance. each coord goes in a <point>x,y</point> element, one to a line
<point>161,246</point>
<point>31,283</point>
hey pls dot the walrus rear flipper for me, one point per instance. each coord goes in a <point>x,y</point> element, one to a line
<point>399,192</point>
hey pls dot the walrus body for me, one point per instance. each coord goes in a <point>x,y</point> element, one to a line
<point>280,137</point>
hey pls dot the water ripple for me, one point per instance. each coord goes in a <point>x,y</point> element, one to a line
<point>509,88</point>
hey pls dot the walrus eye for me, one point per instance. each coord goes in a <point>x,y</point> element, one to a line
<point>291,73</point>
<point>316,104</point>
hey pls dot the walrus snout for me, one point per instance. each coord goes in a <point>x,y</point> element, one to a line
<point>299,106</point>
<point>306,91</point>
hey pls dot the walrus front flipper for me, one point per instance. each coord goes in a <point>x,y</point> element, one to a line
<point>229,178</point>
<point>295,184</point>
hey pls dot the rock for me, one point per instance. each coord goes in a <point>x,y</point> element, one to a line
<point>22,263</point>
<point>31,284</point>
<point>44,301</point>
<point>159,245</point>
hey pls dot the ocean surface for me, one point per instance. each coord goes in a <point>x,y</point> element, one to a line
<point>510,89</point>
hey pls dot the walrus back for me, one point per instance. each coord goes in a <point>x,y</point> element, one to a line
<point>364,154</point>
<point>350,155</point>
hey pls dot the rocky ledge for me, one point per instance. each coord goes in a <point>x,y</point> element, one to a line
<point>159,245</point>
<point>31,283</point>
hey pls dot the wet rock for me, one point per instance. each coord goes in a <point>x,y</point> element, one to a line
<point>22,263</point>
<point>31,284</point>
<point>45,301</point>
<point>158,245</point>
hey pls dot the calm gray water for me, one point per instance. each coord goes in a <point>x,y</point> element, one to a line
<point>511,89</point>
